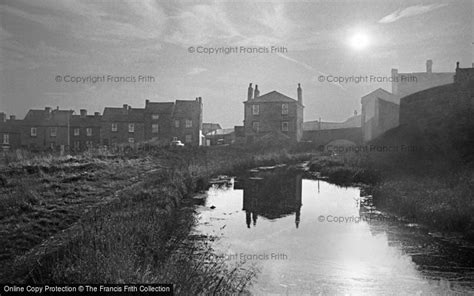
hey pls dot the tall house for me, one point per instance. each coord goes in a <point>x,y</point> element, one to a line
<point>9,132</point>
<point>404,84</point>
<point>84,131</point>
<point>273,113</point>
<point>46,129</point>
<point>123,125</point>
<point>187,121</point>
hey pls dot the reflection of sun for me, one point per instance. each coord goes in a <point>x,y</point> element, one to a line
<point>359,41</point>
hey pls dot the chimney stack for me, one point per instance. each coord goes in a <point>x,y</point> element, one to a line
<point>250,92</point>
<point>96,113</point>
<point>47,109</point>
<point>429,66</point>
<point>12,117</point>
<point>83,113</point>
<point>147,102</point>
<point>256,92</point>
<point>355,112</point>
<point>3,117</point>
<point>300,94</point>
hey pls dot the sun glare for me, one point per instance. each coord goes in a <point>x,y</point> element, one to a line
<point>359,41</point>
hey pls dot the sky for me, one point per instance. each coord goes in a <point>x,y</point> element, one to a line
<point>46,46</point>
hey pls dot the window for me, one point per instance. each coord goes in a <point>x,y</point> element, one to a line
<point>155,128</point>
<point>188,138</point>
<point>284,126</point>
<point>155,116</point>
<point>89,132</point>
<point>33,132</point>
<point>6,139</point>
<point>189,123</point>
<point>256,126</point>
<point>131,140</point>
<point>54,131</point>
<point>284,109</point>
<point>176,123</point>
<point>89,144</point>
<point>255,109</point>
<point>51,145</point>
<point>175,138</point>
<point>77,145</point>
<point>114,127</point>
<point>131,128</point>
<point>76,132</point>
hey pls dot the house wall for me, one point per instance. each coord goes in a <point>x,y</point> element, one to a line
<point>270,119</point>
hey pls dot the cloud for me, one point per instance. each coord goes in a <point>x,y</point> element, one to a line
<point>196,70</point>
<point>409,11</point>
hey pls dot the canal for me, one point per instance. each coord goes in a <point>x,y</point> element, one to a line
<point>310,237</point>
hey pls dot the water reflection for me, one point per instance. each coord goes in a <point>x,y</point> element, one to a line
<point>272,196</point>
<point>326,249</point>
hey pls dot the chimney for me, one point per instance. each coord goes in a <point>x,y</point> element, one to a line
<point>429,66</point>
<point>300,94</point>
<point>12,117</point>
<point>96,113</point>
<point>83,113</point>
<point>395,81</point>
<point>47,109</point>
<point>355,112</point>
<point>250,92</point>
<point>199,100</point>
<point>256,92</point>
<point>457,65</point>
<point>125,107</point>
<point>3,117</point>
<point>147,102</point>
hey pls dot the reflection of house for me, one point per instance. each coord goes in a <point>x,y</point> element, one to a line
<point>322,132</point>
<point>9,133</point>
<point>275,196</point>
<point>273,114</point>
<point>380,108</point>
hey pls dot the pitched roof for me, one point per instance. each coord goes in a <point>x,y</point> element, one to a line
<point>122,114</point>
<point>159,107</point>
<point>183,107</point>
<point>272,96</point>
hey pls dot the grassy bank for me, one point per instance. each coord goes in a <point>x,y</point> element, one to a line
<point>118,219</point>
<point>426,190</point>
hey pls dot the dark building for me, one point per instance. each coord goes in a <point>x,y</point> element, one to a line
<point>273,113</point>
<point>46,129</point>
<point>210,127</point>
<point>10,137</point>
<point>272,196</point>
<point>122,125</point>
<point>84,131</point>
<point>187,122</point>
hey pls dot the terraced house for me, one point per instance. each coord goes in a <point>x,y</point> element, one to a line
<point>57,129</point>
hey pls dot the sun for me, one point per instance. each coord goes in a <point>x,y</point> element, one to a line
<point>360,40</point>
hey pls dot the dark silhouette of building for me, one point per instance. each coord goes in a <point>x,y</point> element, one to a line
<point>273,196</point>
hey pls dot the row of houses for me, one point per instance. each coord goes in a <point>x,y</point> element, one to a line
<point>53,129</point>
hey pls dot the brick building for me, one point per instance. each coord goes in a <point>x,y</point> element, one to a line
<point>273,113</point>
<point>380,108</point>
<point>45,129</point>
<point>122,125</point>
<point>9,133</point>
<point>84,131</point>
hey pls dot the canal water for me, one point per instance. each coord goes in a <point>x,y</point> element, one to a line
<point>310,237</point>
